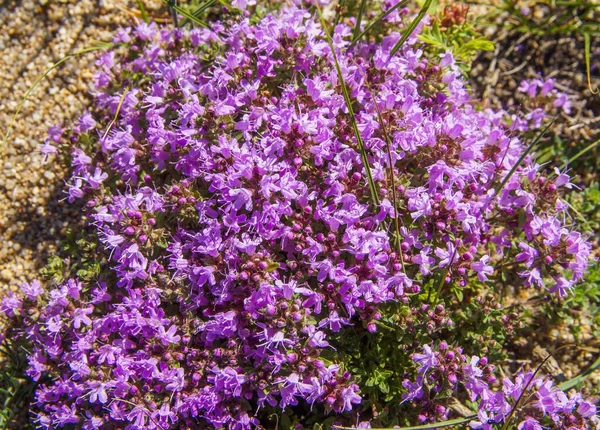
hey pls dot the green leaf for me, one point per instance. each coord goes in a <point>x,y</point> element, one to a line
<point>436,33</point>
<point>284,422</point>
<point>162,242</point>
<point>199,11</point>
<point>580,153</point>
<point>432,40</point>
<point>272,266</point>
<point>479,44</point>
<point>458,292</point>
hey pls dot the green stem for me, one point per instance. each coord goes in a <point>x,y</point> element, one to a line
<point>411,27</point>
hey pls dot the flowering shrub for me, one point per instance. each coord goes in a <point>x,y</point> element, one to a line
<point>448,368</point>
<point>249,247</point>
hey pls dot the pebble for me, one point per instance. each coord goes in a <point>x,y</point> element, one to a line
<point>6,274</point>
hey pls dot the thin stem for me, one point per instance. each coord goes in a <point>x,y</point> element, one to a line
<point>38,80</point>
<point>359,141</point>
<point>521,158</point>
<point>361,11</point>
<point>580,153</point>
<point>376,21</point>
<point>411,27</point>
<point>392,179</point>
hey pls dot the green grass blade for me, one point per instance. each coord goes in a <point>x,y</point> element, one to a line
<point>579,378</point>
<point>521,158</point>
<point>376,21</point>
<point>439,425</point>
<point>39,79</point>
<point>411,27</point>
<point>199,11</point>
<point>388,141</point>
<point>586,39</point>
<point>121,100</point>
<point>346,94</point>
<point>142,9</point>
<point>185,13</point>
<point>440,284</point>
<point>361,12</point>
<point>338,16</point>
<point>579,215</point>
<point>580,153</point>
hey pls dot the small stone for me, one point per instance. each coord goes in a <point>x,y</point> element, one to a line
<point>6,274</point>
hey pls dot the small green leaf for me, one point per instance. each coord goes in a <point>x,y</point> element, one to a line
<point>479,44</point>
<point>272,266</point>
<point>431,40</point>
<point>458,292</point>
<point>436,33</point>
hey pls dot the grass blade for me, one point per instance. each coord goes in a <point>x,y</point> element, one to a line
<point>338,16</point>
<point>442,280</point>
<point>173,13</point>
<point>579,378</point>
<point>355,39</point>
<point>142,9</point>
<point>39,79</point>
<point>346,94</point>
<point>508,418</point>
<point>361,12</point>
<point>521,158</point>
<point>411,27</point>
<point>439,425</point>
<point>392,180</point>
<point>586,39</point>
<point>121,100</point>
<point>580,153</point>
<point>579,215</point>
<point>184,13</point>
<point>199,11</point>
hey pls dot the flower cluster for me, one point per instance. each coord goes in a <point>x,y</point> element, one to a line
<point>526,402</point>
<point>227,191</point>
<point>541,100</point>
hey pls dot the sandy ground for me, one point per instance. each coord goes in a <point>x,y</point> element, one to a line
<point>34,34</point>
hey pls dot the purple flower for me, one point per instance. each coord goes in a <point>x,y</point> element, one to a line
<point>80,316</point>
<point>427,360</point>
<point>11,305</point>
<point>482,268</point>
<point>98,392</point>
<point>238,240</point>
<point>168,336</point>
<point>32,291</point>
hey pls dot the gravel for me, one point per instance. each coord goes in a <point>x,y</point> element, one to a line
<point>34,35</point>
